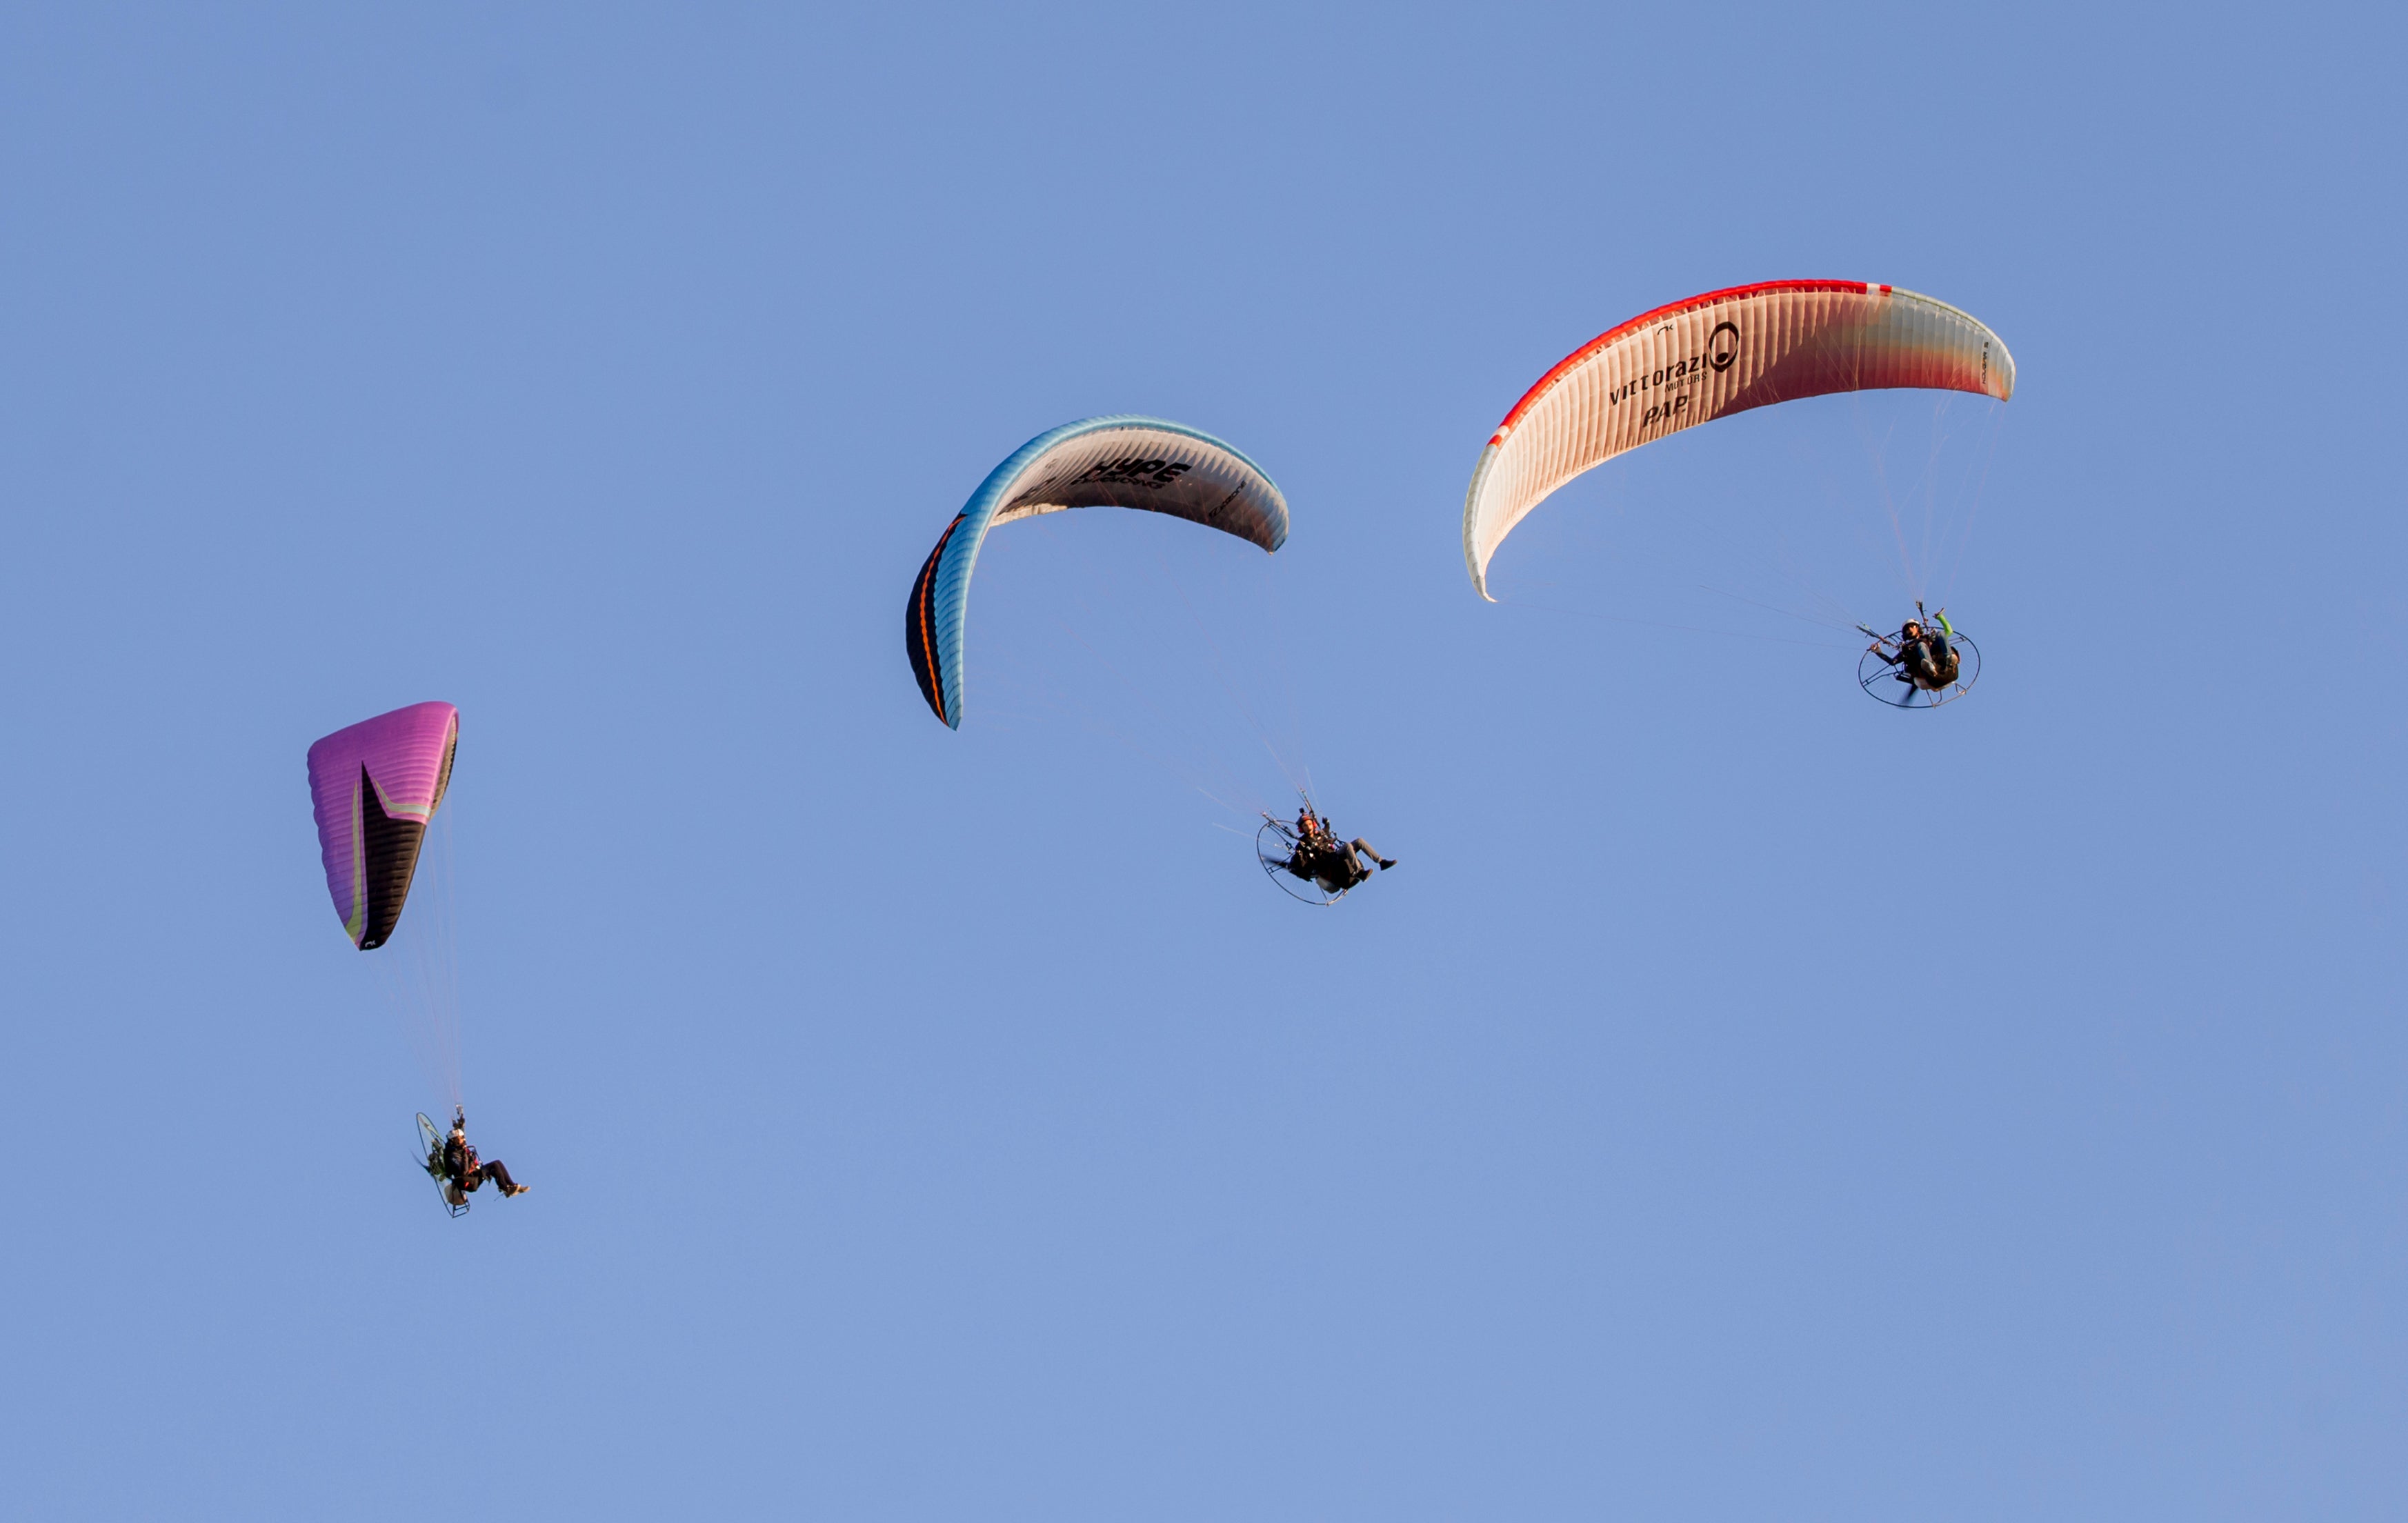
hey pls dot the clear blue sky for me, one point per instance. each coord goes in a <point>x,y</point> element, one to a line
<point>936,1125</point>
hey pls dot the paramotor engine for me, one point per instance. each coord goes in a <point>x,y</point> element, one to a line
<point>1904,684</point>
<point>1276,845</point>
<point>432,1141</point>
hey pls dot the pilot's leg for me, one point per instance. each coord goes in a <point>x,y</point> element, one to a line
<point>1368,850</point>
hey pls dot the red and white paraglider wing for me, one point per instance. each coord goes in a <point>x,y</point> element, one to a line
<point>1711,355</point>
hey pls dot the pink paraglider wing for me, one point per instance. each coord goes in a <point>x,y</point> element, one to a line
<point>376,785</point>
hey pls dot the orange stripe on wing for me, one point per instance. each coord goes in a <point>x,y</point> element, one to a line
<point>935,694</point>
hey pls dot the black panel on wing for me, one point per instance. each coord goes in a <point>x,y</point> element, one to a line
<point>390,849</point>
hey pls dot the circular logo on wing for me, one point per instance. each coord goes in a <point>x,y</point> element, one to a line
<point>1722,345</point>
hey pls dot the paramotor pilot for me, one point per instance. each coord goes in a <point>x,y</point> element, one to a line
<point>1926,655</point>
<point>1320,858</point>
<point>464,1171</point>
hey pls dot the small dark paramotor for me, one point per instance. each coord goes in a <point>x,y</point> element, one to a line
<point>1922,667</point>
<point>1275,848</point>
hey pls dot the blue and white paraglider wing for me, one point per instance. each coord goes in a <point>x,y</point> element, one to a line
<point>1113,462</point>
